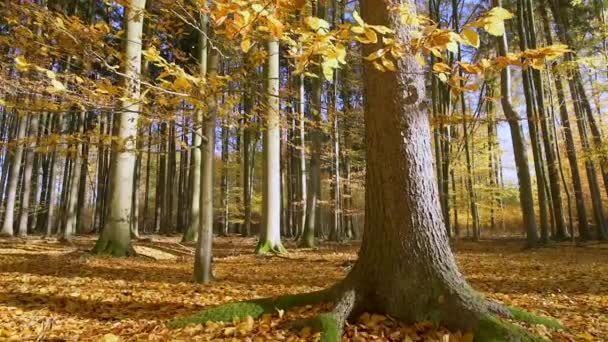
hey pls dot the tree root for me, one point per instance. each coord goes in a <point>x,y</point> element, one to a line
<point>491,325</point>
<point>265,246</point>
<point>491,328</point>
<point>107,247</point>
<point>254,308</point>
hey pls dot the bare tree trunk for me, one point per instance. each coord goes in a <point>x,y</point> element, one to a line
<point>72,197</point>
<point>115,237</point>
<point>13,179</point>
<point>270,231</point>
<point>203,252</point>
<point>519,147</point>
<point>27,176</point>
<point>224,179</point>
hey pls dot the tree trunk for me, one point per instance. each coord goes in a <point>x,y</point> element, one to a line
<point>190,234</point>
<point>405,268</point>
<point>203,252</point>
<point>519,148</point>
<point>27,176</point>
<point>270,230</point>
<point>115,237</point>
<point>13,179</point>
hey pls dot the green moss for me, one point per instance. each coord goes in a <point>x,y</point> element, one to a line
<point>328,325</point>
<point>525,316</point>
<point>189,235</point>
<point>113,248</point>
<point>301,299</point>
<point>265,247</point>
<point>228,312</point>
<point>493,329</point>
<point>307,240</point>
<point>254,308</point>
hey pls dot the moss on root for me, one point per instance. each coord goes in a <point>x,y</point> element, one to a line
<point>113,248</point>
<point>525,316</point>
<point>266,246</point>
<point>493,329</point>
<point>254,308</point>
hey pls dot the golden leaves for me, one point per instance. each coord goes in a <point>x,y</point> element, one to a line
<point>493,21</point>
<point>470,36</point>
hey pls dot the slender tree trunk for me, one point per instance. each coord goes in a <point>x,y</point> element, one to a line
<point>115,237</point>
<point>72,197</point>
<point>224,179</point>
<point>27,176</point>
<point>519,148</point>
<point>190,234</point>
<point>13,179</point>
<point>203,253</point>
<point>270,231</point>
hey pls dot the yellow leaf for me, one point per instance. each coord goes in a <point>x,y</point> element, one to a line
<point>50,74</point>
<point>20,63</point>
<point>388,64</point>
<point>441,67</point>
<point>586,336</point>
<point>495,27</point>
<point>375,55</point>
<point>316,23</point>
<point>245,45</point>
<point>328,71</point>
<point>500,13</point>
<point>109,338</point>
<point>358,19</point>
<point>55,86</point>
<point>420,59</point>
<point>471,36</point>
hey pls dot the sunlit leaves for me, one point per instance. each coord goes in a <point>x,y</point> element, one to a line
<point>493,21</point>
<point>470,36</point>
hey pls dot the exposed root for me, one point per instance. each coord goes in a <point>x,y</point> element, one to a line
<point>491,328</point>
<point>525,316</point>
<point>113,248</point>
<point>254,308</point>
<point>265,246</point>
<point>498,308</point>
<point>331,324</point>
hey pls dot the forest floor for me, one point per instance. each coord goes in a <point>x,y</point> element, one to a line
<point>54,292</point>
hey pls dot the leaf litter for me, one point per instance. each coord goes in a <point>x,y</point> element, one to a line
<point>55,292</point>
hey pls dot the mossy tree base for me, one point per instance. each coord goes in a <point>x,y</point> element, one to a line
<point>113,248</point>
<point>489,328</point>
<point>189,235</point>
<point>267,246</point>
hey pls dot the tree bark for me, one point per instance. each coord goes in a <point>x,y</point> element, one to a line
<point>270,231</point>
<point>115,238</point>
<point>13,179</point>
<point>203,252</point>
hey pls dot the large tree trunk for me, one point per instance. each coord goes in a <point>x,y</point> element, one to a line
<point>405,267</point>
<point>270,231</point>
<point>115,237</point>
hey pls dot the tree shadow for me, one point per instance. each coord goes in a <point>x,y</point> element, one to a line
<point>70,266</point>
<point>99,310</point>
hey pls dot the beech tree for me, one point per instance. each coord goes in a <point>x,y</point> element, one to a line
<point>115,238</point>
<point>270,233</point>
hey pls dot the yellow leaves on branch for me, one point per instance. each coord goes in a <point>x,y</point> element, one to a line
<point>493,21</point>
